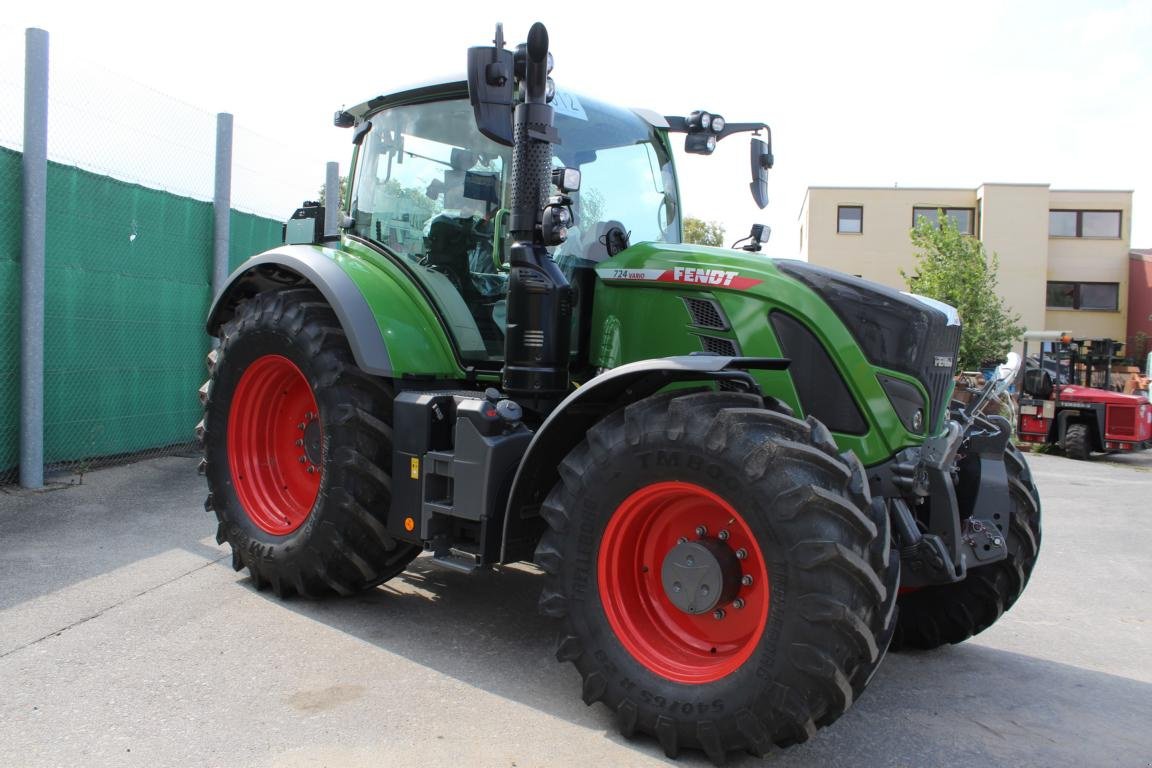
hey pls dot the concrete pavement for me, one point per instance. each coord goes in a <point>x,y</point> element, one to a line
<point>127,640</point>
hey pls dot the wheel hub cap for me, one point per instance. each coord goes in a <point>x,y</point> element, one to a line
<point>312,441</point>
<point>699,575</point>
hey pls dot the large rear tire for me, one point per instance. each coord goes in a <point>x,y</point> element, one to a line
<point>719,572</point>
<point>297,444</point>
<point>951,613</point>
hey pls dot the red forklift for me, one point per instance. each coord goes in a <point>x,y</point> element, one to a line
<point>1059,406</point>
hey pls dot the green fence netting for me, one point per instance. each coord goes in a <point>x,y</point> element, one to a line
<point>127,287</point>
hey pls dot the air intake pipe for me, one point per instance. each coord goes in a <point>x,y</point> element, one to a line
<point>538,335</point>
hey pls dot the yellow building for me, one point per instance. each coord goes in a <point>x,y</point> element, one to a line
<point>1063,253</point>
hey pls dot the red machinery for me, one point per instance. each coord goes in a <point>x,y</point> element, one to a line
<point>1059,407</point>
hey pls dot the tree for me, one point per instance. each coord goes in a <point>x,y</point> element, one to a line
<point>703,232</point>
<point>955,268</point>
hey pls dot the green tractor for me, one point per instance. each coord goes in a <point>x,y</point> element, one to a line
<point>742,477</point>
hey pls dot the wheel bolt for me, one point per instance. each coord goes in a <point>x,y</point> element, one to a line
<point>682,540</point>
<point>676,587</point>
<point>300,426</point>
<point>311,469</point>
<point>723,535</point>
<point>746,580</point>
<point>701,531</point>
<point>300,443</point>
<point>741,554</point>
<point>302,459</point>
<point>718,614</point>
<point>738,602</point>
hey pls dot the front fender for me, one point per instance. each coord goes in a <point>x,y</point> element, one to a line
<point>390,327</point>
<point>566,425</point>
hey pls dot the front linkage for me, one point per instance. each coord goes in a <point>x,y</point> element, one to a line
<point>948,498</point>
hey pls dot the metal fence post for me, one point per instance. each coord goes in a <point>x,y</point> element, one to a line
<point>35,173</point>
<point>332,199</point>
<point>222,202</point>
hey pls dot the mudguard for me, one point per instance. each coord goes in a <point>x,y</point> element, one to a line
<point>377,310</point>
<point>566,425</point>
<point>1095,423</point>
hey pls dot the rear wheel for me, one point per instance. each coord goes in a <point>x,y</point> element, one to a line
<point>297,450</point>
<point>951,613</point>
<point>1077,444</point>
<point>719,572</point>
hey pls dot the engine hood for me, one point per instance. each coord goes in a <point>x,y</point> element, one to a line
<point>1093,395</point>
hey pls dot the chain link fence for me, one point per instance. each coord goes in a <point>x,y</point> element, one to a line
<point>128,258</point>
<point>11,142</point>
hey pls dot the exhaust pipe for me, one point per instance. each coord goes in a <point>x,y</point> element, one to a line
<point>538,334</point>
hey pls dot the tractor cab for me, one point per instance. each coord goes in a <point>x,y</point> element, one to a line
<point>435,192</point>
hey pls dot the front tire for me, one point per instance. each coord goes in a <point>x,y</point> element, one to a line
<point>782,523</point>
<point>297,444</point>
<point>937,615</point>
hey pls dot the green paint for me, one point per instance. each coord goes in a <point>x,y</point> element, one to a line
<point>416,340</point>
<point>639,319</point>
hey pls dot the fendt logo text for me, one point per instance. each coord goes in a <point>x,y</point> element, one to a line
<point>703,276</point>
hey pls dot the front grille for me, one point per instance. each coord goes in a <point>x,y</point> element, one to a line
<point>706,313</point>
<point>1122,420</point>
<point>895,330</point>
<point>943,341</point>
<point>717,346</point>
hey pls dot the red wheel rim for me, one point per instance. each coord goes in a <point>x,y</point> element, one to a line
<point>674,644</point>
<point>273,445</point>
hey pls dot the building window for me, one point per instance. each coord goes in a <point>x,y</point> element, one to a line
<point>1104,224</point>
<point>850,219</point>
<point>963,218</point>
<point>1102,297</point>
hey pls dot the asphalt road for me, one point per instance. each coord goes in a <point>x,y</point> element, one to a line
<point>127,640</point>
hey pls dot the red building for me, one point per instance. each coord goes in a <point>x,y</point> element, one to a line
<point>1140,301</point>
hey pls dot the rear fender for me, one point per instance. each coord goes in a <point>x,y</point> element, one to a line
<point>566,425</point>
<point>391,332</point>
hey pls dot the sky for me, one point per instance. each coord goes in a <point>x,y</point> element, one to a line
<point>913,94</point>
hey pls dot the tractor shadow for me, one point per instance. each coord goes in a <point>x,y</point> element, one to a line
<point>971,704</point>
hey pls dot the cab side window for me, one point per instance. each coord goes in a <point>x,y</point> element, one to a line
<point>428,188</point>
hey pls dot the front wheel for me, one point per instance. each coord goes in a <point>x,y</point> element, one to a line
<point>951,613</point>
<point>719,570</point>
<point>297,449</point>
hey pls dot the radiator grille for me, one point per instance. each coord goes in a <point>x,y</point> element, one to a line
<point>706,313</point>
<point>718,346</point>
<point>1122,420</point>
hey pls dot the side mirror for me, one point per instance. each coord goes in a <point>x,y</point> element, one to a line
<point>761,161</point>
<point>490,85</point>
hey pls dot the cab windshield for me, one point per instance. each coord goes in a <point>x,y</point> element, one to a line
<point>430,188</point>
